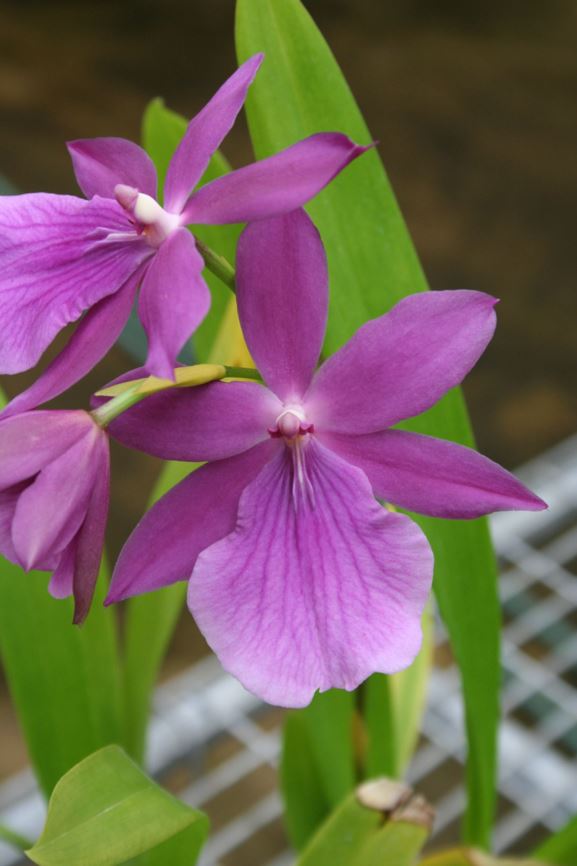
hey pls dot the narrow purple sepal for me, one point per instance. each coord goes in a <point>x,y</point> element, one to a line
<point>402,363</point>
<point>204,134</point>
<point>275,185</point>
<point>432,476</point>
<point>174,299</point>
<point>90,540</point>
<point>282,295</point>
<point>100,164</point>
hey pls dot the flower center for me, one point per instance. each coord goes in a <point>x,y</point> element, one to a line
<point>293,427</point>
<point>291,424</point>
<point>155,224</point>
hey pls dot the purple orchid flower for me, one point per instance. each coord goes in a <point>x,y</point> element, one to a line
<point>62,255</point>
<point>54,491</point>
<point>298,578</point>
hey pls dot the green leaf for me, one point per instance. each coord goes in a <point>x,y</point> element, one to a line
<point>182,850</point>
<point>560,849</point>
<point>301,783</point>
<point>318,763</point>
<point>162,131</point>
<point>300,90</point>
<point>381,824</point>
<point>106,810</point>
<point>64,679</point>
<point>378,713</point>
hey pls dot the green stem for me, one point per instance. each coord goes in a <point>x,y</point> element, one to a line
<point>242,373</point>
<point>219,266</point>
<point>14,839</point>
<point>114,407</point>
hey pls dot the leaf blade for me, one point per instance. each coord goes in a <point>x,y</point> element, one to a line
<point>105,810</point>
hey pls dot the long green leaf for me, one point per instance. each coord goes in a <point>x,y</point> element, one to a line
<point>64,680</point>
<point>301,782</point>
<point>300,90</point>
<point>318,764</point>
<point>560,849</point>
<point>106,810</point>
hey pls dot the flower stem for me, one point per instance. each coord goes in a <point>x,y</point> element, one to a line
<point>106,413</point>
<point>216,263</point>
<point>127,394</point>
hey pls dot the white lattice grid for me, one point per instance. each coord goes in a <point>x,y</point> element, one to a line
<point>218,746</point>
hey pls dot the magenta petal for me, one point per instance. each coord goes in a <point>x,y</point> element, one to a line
<point>57,259</point>
<point>89,542</point>
<point>299,597</point>
<point>29,442</point>
<point>62,581</point>
<point>174,299</point>
<point>400,364</point>
<point>282,294</point>
<point>8,503</point>
<point>193,515</point>
<point>275,185</point>
<point>204,135</point>
<point>209,422</point>
<point>100,164</point>
<point>51,510</point>
<point>94,336</point>
<point>432,476</point>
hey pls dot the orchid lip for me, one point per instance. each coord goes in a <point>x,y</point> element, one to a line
<point>156,223</point>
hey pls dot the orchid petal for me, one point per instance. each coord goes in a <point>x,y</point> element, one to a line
<point>432,476</point>
<point>95,335</point>
<point>400,364</point>
<point>100,164</point>
<point>29,442</point>
<point>8,502</point>
<point>174,299</point>
<point>193,515</point>
<point>61,583</point>
<point>208,422</point>
<point>89,542</point>
<point>60,255</point>
<point>282,294</point>
<point>51,510</point>
<point>275,185</point>
<point>303,596</point>
<point>204,135</point>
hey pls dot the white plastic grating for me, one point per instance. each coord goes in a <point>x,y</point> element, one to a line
<point>218,747</point>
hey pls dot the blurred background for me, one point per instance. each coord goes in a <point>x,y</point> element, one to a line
<point>473,105</point>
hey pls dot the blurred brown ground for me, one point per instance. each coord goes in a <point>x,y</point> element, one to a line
<point>474,108</point>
